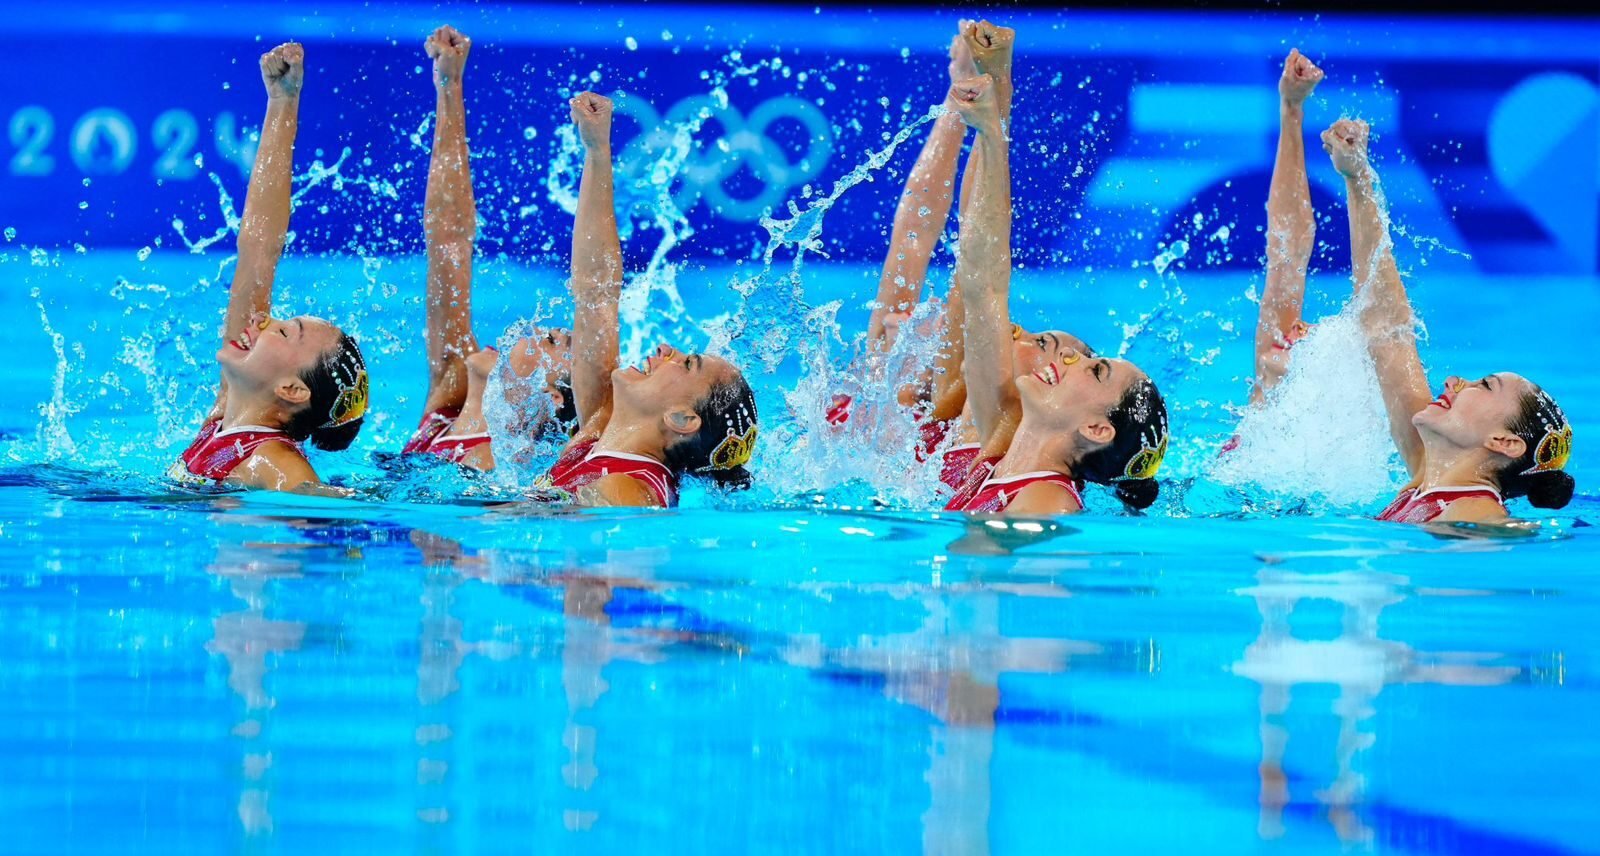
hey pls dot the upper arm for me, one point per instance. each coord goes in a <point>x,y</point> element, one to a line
<point>1044,498</point>
<point>617,490</point>
<point>1405,392</point>
<point>275,466</point>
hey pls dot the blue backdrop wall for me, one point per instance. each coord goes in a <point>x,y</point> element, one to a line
<point>132,128</point>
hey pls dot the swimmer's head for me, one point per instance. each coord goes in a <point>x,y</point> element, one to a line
<point>1114,415</point>
<point>311,369</point>
<point>1031,352</point>
<point>1520,426</point>
<point>701,403</point>
<point>536,365</point>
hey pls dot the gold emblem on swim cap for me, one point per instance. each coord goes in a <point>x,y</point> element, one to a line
<point>1147,463</point>
<point>1553,451</point>
<point>351,403</point>
<point>734,450</point>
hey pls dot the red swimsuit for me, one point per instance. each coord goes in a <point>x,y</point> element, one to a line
<point>1414,506</point>
<point>983,493</point>
<point>972,482</point>
<point>957,463</point>
<point>430,439</point>
<point>214,454</point>
<point>582,464</point>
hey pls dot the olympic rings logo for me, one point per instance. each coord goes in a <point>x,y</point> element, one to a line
<point>744,143</point>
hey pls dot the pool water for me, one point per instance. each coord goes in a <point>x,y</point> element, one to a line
<point>822,670</point>
<point>826,663</point>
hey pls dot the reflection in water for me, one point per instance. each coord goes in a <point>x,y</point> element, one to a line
<point>440,652</point>
<point>245,638</point>
<point>1358,662</point>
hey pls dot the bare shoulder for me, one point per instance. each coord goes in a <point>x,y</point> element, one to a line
<point>1473,510</point>
<point>617,490</point>
<point>1044,498</point>
<point>275,465</point>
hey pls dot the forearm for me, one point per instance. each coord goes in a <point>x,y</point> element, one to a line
<point>451,212</point>
<point>1381,295</point>
<point>265,223</point>
<point>919,221</point>
<point>596,246</point>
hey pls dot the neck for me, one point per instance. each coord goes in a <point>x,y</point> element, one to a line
<point>1033,451</point>
<point>244,406</point>
<point>1446,465</point>
<point>633,436</point>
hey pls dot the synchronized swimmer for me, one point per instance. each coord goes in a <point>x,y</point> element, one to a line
<point>1015,421</point>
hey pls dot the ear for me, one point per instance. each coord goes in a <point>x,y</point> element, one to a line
<point>1509,445</point>
<point>683,421</point>
<point>1098,433</point>
<point>293,391</point>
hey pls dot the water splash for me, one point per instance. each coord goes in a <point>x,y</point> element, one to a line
<point>57,443</point>
<point>1321,433</point>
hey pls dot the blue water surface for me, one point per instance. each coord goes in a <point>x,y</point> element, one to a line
<point>827,663</point>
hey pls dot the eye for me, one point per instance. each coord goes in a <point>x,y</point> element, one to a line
<point>1040,342</point>
<point>283,332</point>
<point>1484,383</point>
<point>1099,371</point>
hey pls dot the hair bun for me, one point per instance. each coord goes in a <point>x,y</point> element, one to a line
<point>729,478</point>
<point>1138,493</point>
<point>1550,489</point>
<point>336,438</point>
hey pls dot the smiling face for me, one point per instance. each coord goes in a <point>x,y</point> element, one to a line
<point>1074,392</point>
<point>668,381</point>
<point>1031,352</point>
<point>1469,414</point>
<point>270,352</point>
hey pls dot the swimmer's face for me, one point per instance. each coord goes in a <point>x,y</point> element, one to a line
<point>1031,352</point>
<point>271,351</point>
<point>1074,392</point>
<point>534,364</point>
<point>1469,413</point>
<point>669,381</point>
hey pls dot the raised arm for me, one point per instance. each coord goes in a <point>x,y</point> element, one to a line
<point>983,266</point>
<point>1385,310</point>
<point>450,224</point>
<point>1291,229</point>
<point>596,267</point>
<point>265,224</point>
<point>924,208</point>
<point>982,48</point>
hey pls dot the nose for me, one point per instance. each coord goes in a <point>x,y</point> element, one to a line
<point>1070,355</point>
<point>1453,384</point>
<point>258,320</point>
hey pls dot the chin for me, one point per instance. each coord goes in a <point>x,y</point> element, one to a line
<point>1029,388</point>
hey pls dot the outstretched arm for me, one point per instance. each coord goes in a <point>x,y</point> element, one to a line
<point>919,220</point>
<point>1385,310</point>
<point>265,224</point>
<point>450,224</point>
<point>1291,229</point>
<point>596,267</point>
<point>983,266</point>
<point>979,48</point>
